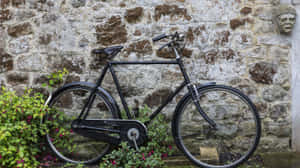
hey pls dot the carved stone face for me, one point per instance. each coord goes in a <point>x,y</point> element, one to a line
<point>285,18</point>
<point>286,22</point>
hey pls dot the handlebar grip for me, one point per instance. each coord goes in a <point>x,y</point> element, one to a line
<point>157,38</point>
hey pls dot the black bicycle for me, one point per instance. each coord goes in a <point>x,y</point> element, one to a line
<point>215,126</point>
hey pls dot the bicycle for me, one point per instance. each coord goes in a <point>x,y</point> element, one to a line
<point>215,126</point>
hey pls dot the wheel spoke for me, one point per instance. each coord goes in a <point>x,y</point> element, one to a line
<point>237,133</point>
<point>67,144</point>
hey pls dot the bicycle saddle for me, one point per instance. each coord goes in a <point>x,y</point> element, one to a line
<point>108,51</point>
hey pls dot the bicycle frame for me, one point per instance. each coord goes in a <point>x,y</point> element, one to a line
<point>191,88</point>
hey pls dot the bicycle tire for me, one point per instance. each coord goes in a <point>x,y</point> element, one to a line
<point>70,99</point>
<point>194,137</point>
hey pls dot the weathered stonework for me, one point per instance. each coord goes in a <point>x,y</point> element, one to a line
<point>5,15</point>
<point>67,60</point>
<point>98,60</point>
<point>263,72</point>
<point>6,61</point>
<point>157,97</point>
<point>20,30</point>
<point>142,47</point>
<point>170,10</point>
<point>133,15</point>
<point>246,10</point>
<point>112,32</point>
<point>17,78</point>
<point>78,3</point>
<point>235,23</point>
<point>232,42</point>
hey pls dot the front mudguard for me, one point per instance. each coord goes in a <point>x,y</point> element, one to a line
<point>116,111</point>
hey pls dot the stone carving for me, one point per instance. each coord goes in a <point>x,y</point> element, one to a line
<point>285,18</point>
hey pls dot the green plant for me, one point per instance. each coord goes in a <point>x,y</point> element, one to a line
<point>22,142</point>
<point>20,128</point>
<point>150,155</point>
<point>56,78</point>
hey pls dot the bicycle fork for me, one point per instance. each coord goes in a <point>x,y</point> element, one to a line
<point>196,97</point>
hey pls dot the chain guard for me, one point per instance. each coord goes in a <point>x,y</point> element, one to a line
<point>112,131</point>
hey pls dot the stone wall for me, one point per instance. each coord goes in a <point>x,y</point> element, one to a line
<point>232,42</point>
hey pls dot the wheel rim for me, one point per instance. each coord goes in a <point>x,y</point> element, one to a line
<point>68,145</point>
<point>236,138</point>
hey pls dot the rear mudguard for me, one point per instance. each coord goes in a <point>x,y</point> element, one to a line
<point>181,102</point>
<point>116,111</point>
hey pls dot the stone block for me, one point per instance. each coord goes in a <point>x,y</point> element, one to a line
<point>22,15</point>
<point>5,15</point>
<point>275,93</point>
<point>279,53</point>
<point>170,10</point>
<point>263,72</point>
<point>17,78</point>
<point>257,52</point>
<point>157,97</point>
<point>214,11</point>
<point>246,10</point>
<point>20,29</point>
<point>29,63</point>
<point>166,53</point>
<point>134,15</point>
<point>40,79</point>
<point>98,61</point>
<point>69,60</point>
<point>242,40</point>
<point>17,3</point>
<point>78,3</point>
<point>112,32</point>
<point>279,112</point>
<point>282,76</point>
<point>4,3</point>
<point>72,78</point>
<point>263,27</point>
<point>210,56</point>
<point>19,45</point>
<point>141,47</point>
<point>6,61</point>
<point>3,38</point>
<point>222,38</point>
<point>45,39</point>
<point>280,129</point>
<point>235,23</point>
<point>264,12</point>
<point>274,40</point>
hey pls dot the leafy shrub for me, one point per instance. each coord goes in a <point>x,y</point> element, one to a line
<point>20,129</point>
<point>151,155</point>
<point>22,132</point>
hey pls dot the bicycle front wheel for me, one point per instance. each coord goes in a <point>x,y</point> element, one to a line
<point>238,128</point>
<point>66,106</point>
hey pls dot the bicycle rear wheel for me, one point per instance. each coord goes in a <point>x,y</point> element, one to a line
<point>238,128</point>
<point>66,106</point>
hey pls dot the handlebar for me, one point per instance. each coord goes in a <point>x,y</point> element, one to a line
<point>157,38</point>
<point>176,38</point>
